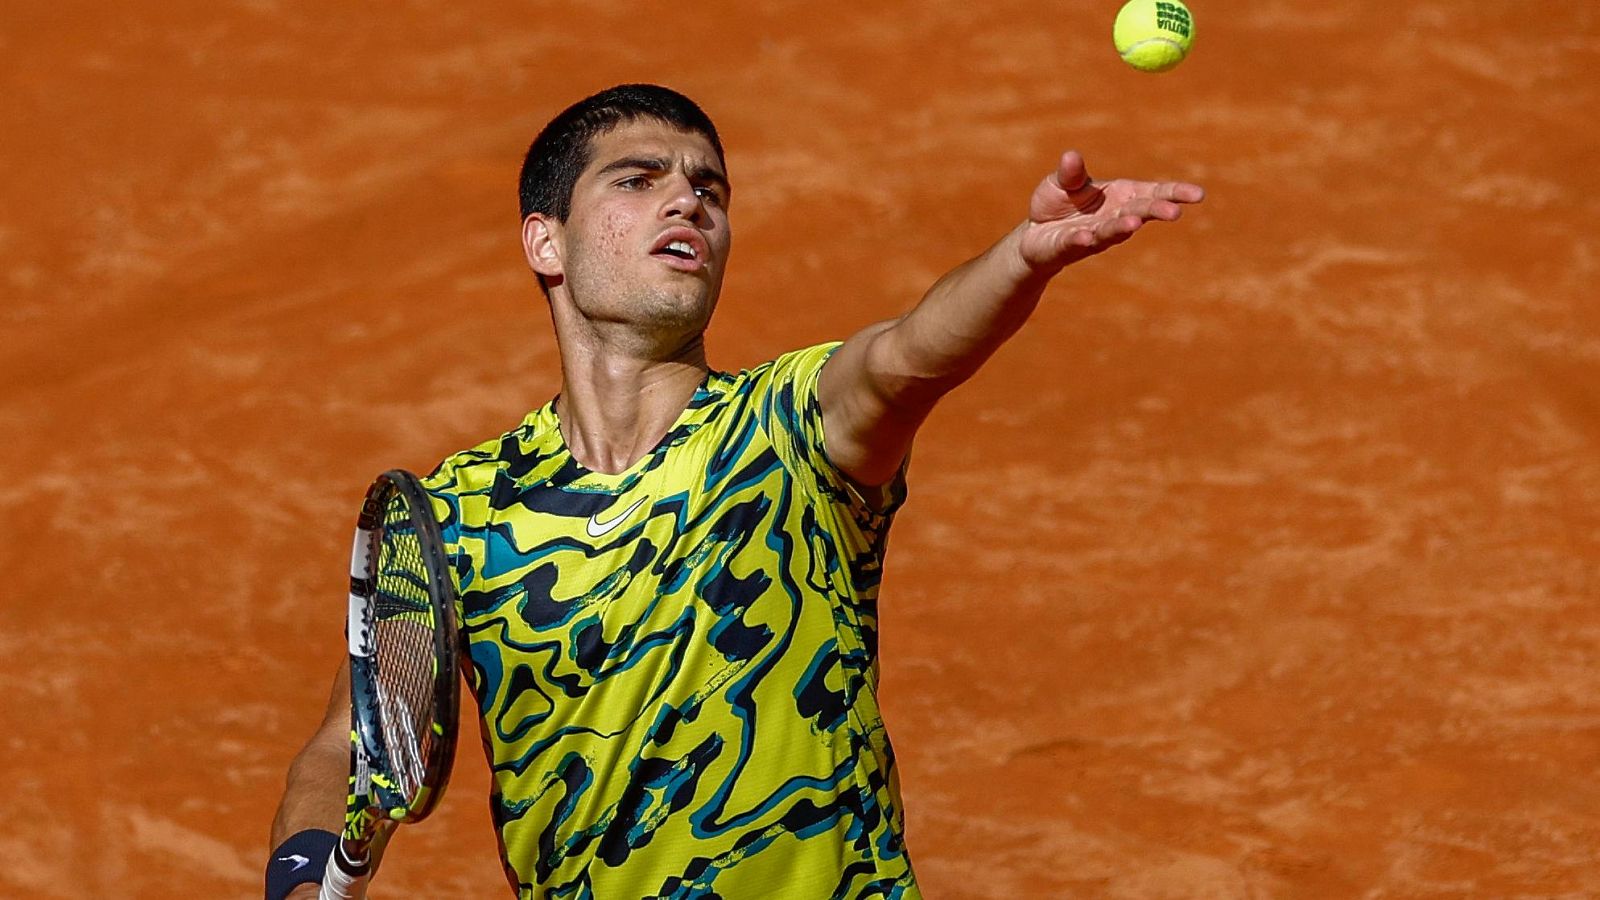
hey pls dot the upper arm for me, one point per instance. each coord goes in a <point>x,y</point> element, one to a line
<point>872,404</point>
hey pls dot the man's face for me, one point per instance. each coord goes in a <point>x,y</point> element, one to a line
<point>647,240</point>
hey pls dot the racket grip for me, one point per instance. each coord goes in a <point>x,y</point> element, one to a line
<point>343,879</point>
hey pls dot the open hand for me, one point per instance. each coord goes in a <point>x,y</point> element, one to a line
<point>1072,216</point>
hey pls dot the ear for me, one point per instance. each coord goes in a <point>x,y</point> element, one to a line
<point>541,244</point>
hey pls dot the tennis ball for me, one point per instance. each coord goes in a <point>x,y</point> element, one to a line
<point>1153,35</point>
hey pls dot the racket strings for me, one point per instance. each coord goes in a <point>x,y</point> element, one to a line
<point>404,624</point>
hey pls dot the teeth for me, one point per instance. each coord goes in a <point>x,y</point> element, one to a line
<point>682,247</point>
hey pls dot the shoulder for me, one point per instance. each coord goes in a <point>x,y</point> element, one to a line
<point>806,360</point>
<point>512,453</point>
<point>788,369</point>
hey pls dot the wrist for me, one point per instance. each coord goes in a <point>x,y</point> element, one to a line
<point>1023,260</point>
<point>299,860</point>
<point>1029,275</point>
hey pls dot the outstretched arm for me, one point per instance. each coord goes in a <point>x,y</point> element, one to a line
<point>877,389</point>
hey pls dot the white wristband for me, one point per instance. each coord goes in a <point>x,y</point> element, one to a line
<point>337,881</point>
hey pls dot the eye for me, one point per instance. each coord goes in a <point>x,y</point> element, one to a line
<point>709,194</point>
<point>634,183</point>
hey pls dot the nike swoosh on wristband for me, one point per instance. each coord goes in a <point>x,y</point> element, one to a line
<point>298,860</point>
<point>597,528</point>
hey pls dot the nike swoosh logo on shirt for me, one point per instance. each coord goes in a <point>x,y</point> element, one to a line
<point>597,528</point>
<point>298,860</point>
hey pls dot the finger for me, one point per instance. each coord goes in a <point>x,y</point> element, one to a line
<point>1179,192</point>
<point>1081,237</point>
<point>1116,230</point>
<point>1098,236</point>
<point>1071,175</point>
<point>1148,208</point>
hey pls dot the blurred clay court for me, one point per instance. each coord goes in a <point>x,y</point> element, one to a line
<point>1263,563</point>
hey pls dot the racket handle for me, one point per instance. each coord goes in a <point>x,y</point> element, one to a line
<point>343,879</point>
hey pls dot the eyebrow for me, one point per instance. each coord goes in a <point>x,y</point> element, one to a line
<point>702,174</point>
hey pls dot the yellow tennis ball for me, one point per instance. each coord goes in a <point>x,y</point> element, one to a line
<point>1153,35</point>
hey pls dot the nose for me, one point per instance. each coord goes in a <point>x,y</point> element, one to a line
<point>683,202</point>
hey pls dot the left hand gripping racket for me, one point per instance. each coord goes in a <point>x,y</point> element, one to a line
<point>404,691</point>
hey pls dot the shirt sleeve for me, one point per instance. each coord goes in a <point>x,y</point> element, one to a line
<point>792,415</point>
<point>451,504</point>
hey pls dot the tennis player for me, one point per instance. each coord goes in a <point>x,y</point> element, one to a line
<point>669,574</point>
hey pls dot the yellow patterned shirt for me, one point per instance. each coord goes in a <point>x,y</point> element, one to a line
<point>676,666</point>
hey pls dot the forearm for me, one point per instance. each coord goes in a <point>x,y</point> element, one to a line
<point>319,776</point>
<point>878,388</point>
<point>314,795</point>
<point>319,779</point>
<point>313,798</point>
<point>962,320</point>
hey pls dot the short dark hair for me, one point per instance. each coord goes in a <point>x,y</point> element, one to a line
<point>561,151</point>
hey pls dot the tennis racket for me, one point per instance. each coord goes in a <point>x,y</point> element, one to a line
<point>404,692</point>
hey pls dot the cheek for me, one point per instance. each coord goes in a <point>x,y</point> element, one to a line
<point>605,235</point>
<point>722,238</point>
<point>612,230</point>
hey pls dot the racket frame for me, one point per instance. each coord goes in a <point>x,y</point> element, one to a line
<point>367,820</point>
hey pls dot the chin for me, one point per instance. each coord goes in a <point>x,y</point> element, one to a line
<point>685,310</point>
<point>682,303</point>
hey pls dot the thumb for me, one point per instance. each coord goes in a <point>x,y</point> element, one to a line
<point>1066,191</point>
<point>1071,174</point>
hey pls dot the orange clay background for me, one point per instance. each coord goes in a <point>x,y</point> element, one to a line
<point>1263,563</point>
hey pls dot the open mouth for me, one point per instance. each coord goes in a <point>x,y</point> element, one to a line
<point>680,249</point>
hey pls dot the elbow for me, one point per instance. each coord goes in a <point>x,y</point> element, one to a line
<point>906,374</point>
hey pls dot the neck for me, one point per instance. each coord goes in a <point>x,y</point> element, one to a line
<point>616,406</point>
